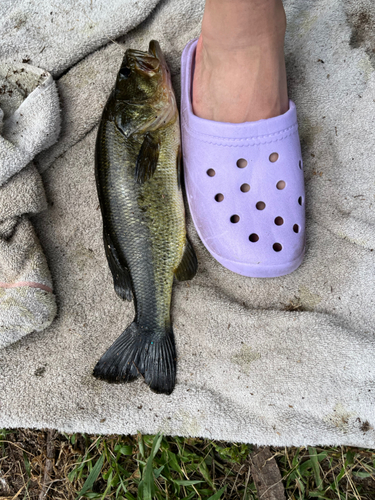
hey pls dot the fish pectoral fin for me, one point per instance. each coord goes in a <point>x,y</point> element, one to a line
<point>121,276</point>
<point>147,158</point>
<point>188,266</point>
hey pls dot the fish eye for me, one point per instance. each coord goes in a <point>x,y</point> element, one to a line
<point>125,72</point>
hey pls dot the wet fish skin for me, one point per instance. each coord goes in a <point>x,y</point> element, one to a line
<point>137,174</point>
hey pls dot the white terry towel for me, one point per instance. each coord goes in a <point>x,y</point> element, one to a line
<point>284,361</point>
<point>55,34</point>
<point>29,123</point>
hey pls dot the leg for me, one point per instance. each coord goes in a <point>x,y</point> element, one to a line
<point>240,67</point>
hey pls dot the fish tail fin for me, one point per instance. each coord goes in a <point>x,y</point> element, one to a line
<point>134,354</point>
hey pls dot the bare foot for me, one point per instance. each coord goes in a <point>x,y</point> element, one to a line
<point>240,71</point>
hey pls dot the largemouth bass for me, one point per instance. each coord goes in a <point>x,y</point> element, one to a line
<point>138,182</point>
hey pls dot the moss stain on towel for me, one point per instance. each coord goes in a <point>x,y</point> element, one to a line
<point>307,22</point>
<point>245,358</point>
<point>309,132</point>
<point>339,418</point>
<point>309,300</point>
<point>188,425</point>
<point>82,256</point>
<point>22,311</point>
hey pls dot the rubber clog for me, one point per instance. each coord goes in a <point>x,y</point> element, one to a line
<point>245,187</point>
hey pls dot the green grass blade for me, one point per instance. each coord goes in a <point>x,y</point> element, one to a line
<point>350,457</point>
<point>341,474</point>
<point>158,471</point>
<point>315,465</point>
<point>361,474</point>
<point>108,486</point>
<point>217,495</point>
<point>173,463</point>
<point>300,485</point>
<point>203,469</point>
<point>124,450</point>
<point>317,494</point>
<point>186,482</point>
<point>141,445</point>
<point>92,477</point>
<point>190,496</point>
<point>147,485</point>
<point>27,465</point>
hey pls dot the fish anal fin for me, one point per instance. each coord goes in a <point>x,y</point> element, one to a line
<point>188,266</point>
<point>120,274</point>
<point>148,157</point>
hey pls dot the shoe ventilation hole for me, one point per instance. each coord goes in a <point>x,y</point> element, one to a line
<point>300,200</point>
<point>300,164</point>
<point>296,228</point>
<point>260,205</point>
<point>235,218</point>
<point>277,247</point>
<point>219,197</point>
<point>245,188</point>
<point>281,185</point>
<point>241,163</point>
<point>279,221</point>
<point>253,238</point>
<point>273,157</point>
<point>211,172</point>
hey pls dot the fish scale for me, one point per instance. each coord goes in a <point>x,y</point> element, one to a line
<point>137,153</point>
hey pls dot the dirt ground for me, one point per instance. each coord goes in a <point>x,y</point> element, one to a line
<point>31,459</point>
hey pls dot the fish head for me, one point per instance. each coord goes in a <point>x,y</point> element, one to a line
<point>141,74</point>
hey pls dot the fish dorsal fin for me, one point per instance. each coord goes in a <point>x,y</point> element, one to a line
<point>188,266</point>
<point>179,172</point>
<point>121,276</point>
<point>148,157</point>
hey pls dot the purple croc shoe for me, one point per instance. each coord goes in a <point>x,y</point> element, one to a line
<point>244,184</point>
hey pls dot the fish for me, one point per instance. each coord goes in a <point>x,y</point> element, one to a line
<point>138,179</point>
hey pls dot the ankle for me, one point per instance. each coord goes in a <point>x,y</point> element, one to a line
<point>240,54</point>
<point>235,25</point>
<point>240,66</point>
<point>245,85</point>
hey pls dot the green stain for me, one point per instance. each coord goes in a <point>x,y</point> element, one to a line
<point>245,358</point>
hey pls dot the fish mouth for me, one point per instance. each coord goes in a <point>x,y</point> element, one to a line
<point>155,50</point>
<point>150,62</point>
<point>141,61</point>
